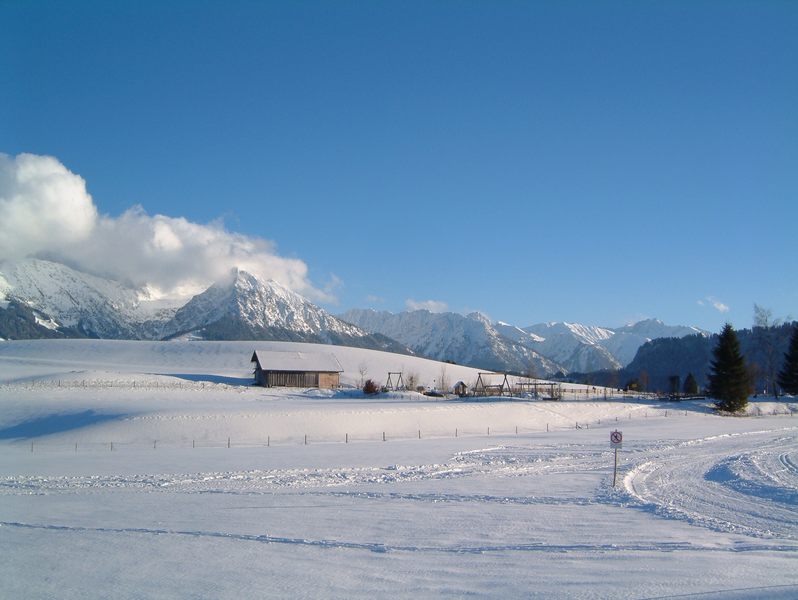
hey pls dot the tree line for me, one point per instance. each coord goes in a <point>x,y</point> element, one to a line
<point>767,363</point>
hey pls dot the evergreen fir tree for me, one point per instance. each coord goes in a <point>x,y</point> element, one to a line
<point>690,385</point>
<point>788,376</point>
<point>728,378</point>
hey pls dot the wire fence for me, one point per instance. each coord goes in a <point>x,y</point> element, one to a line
<point>563,393</point>
<point>385,436</point>
<point>141,384</point>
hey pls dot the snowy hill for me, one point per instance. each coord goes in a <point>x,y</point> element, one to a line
<point>468,340</point>
<point>209,361</point>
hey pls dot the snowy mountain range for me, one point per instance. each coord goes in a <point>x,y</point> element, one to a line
<point>586,348</point>
<point>41,298</point>
<point>467,340</point>
<point>47,299</point>
<point>546,348</point>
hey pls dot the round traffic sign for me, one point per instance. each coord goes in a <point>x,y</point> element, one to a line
<point>616,437</point>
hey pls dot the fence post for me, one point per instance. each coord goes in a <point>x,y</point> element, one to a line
<point>488,430</point>
<point>154,444</point>
<point>192,444</point>
<point>547,427</point>
<point>383,436</point>
<point>347,438</point>
<point>112,446</point>
<point>268,441</point>
<point>306,439</point>
<point>419,434</point>
<point>228,442</point>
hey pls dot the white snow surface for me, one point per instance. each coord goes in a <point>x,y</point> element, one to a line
<point>152,470</point>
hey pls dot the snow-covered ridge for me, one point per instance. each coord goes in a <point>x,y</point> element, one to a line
<point>68,298</point>
<point>561,346</point>
<point>259,304</point>
<point>468,340</point>
<point>63,301</point>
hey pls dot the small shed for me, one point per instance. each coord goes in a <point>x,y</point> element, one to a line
<point>296,369</point>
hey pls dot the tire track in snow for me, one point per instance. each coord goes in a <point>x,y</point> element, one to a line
<point>382,548</point>
<point>463,498</point>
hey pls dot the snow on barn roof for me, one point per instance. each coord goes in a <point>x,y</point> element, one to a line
<point>275,360</point>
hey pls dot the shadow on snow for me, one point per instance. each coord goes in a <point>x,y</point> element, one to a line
<point>208,378</point>
<point>56,424</point>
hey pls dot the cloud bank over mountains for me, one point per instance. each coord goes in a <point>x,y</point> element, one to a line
<point>434,306</point>
<point>47,212</point>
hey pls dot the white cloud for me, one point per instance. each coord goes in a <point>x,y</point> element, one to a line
<point>714,303</point>
<point>372,299</point>
<point>46,211</point>
<point>435,306</point>
<point>719,306</point>
<point>334,284</point>
<point>43,206</point>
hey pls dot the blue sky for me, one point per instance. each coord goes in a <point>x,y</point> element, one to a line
<point>597,162</point>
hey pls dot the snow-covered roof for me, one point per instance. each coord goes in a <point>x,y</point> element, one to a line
<point>273,360</point>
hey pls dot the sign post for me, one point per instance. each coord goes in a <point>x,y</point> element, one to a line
<point>616,442</point>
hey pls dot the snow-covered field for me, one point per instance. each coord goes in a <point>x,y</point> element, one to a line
<point>116,480</point>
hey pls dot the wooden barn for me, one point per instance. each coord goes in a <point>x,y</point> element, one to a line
<point>296,369</point>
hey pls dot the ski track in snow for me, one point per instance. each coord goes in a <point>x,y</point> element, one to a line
<point>716,482</point>
<point>380,547</point>
<point>745,483</point>
<point>502,461</point>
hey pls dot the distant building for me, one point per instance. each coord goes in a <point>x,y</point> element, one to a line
<point>296,369</point>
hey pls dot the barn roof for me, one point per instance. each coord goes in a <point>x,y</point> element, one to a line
<point>275,360</point>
